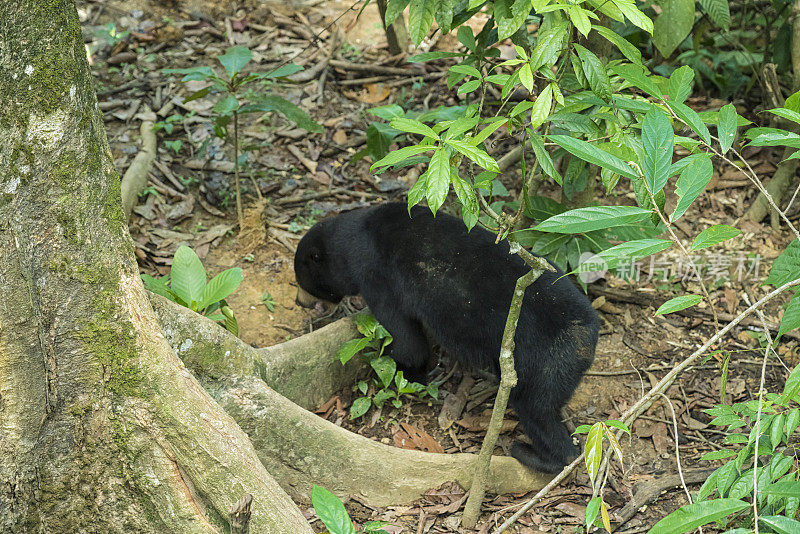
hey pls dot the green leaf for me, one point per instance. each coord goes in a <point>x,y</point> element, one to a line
<point>679,303</point>
<point>690,117</point>
<point>413,126</point>
<point>267,102</point>
<point>691,516</point>
<point>543,157</point>
<point>235,59</point>
<point>673,25</point>
<point>220,287</point>
<point>658,140</point>
<point>159,287</point>
<point>580,19</point>
<point>631,251</point>
<point>351,348</point>
<point>780,524</point>
<point>793,102</point>
<point>227,105</point>
<point>591,511</point>
<point>791,316</point>
<point>717,455</point>
<point>633,75</point>
<point>489,130</point>
<point>526,77</point>
<point>718,11</point>
<point>194,96</point>
<point>468,87</point>
<point>393,9</point>
<point>592,154</point>
<point>396,156</point>
<point>430,56</point>
<point>628,50</point>
<point>541,107</point>
<point>417,192</point>
<point>593,450</point>
<point>691,183</point>
<point>788,114</point>
<point>713,235</point>
<point>726,127</point>
<point>784,488</point>
<point>282,71</point>
<point>467,198</point>
<point>385,368</point>
<point>475,154</point>
<point>192,74</point>
<point>632,13</point>
<point>469,70</point>
<point>331,511</point>
<point>420,19</point>
<point>619,425</point>
<point>438,179</point>
<point>680,84</point>
<point>510,14</point>
<point>595,73</point>
<point>592,218</point>
<point>187,275</point>
<point>444,15</point>
<point>548,46</point>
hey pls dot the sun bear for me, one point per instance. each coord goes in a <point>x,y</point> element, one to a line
<point>429,277</point>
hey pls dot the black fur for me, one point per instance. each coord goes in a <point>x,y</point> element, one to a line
<point>423,275</point>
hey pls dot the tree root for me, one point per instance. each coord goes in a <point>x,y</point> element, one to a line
<point>297,447</point>
<point>135,178</point>
<point>289,368</point>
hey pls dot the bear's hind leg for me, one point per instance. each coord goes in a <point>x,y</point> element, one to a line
<point>409,348</point>
<point>551,447</point>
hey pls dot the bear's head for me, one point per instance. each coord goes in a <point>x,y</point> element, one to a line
<point>318,269</point>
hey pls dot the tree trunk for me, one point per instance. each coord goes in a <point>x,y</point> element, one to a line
<point>102,428</point>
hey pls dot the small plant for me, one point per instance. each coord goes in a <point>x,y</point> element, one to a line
<point>149,190</point>
<point>175,145</point>
<point>188,285</point>
<point>168,124</point>
<point>268,301</point>
<point>233,88</point>
<point>333,515</point>
<point>377,391</point>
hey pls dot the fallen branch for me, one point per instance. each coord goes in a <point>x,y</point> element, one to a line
<point>135,178</point>
<point>648,398</point>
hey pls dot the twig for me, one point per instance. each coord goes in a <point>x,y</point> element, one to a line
<point>647,399</point>
<point>678,451</point>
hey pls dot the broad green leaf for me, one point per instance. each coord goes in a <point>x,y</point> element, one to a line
<point>283,70</point>
<point>632,13</point>
<point>591,511</point>
<point>396,156</point>
<point>678,303</point>
<point>387,112</point>
<point>231,325</point>
<point>713,235</point>
<point>718,11</point>
<point>227,105</point>
<point>717,455</point>
<point>235,59</point>
<point>793,102</point>
<point>466,37</point>
<point>417,192</point>
<point>780,524</point>
<point>784,488</point>
<point>220,287</point>
<point>469,70</point>
<point>776,432</point>
<point>194,96</point>
<point>467,198</point>
<point>726,127</point>
<point>331,511</point>
<point>631,251</point>
<point>385,368</point>
<point>159,287</point>
<point>444,14</point>
<point>633,75</point>
<point>778,138</point>
<point>619,425</point>
<point>595,73</point>
<point>187,276</point>
<point>543,157</point>
<point>580,18</point>
<point>788,114</point>
<point>267,102</point>
<point>510,14</point>
<point>526,77</point>
<point>393,9</point>
<point>680,84</point>
<point>791,315</point>
<point>673,25</point>
<point>489,130</point>
<point>438,179</point>
<point>469,86</point>
<point>459,126</point>
<point>192,74</point>
<point>351,348</point>
<point>691,516</point>
<point>475,154</point>
<point>592,218</point>
<point>420,19</point>
<point>612,439</point>
<point>626,47</point>
<point>658,140</point>
<point>786,267</point>
<point>592,154</point>
<point>593,450</point>
<point>412,126</point>
<point>690,117</point>
<point>359,407</point>
<point>691,183</point>
<point>548,46</point>
<point>541,107</point>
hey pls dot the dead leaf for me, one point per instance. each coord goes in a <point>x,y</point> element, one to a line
<point>340,137</point>
<point>411,437</point>
<point>372,93</point>
<point>661,439</point>
<point>575,510</point>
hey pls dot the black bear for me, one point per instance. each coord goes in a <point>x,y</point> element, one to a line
<point>422,275</point>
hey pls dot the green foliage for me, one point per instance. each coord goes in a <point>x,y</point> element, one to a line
<point>268,301</point>
<point>188,285</point>
<point>388,383</point>
<point>333,515</point>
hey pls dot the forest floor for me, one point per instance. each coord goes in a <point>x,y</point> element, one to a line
<point>305,177</point>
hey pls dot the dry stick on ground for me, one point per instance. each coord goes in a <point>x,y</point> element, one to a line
<point>647,399</point>
<point>135,178</point>
<point>508,379</point>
